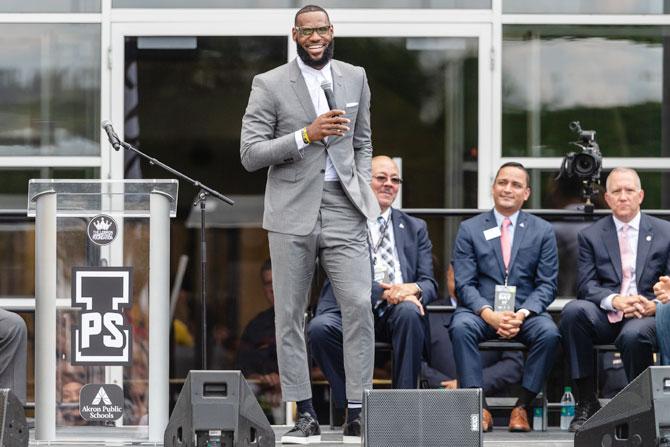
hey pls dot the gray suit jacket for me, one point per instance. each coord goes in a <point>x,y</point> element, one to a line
<point>279,105</point>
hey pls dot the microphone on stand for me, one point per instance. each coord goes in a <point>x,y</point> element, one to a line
<point>114,139</point>
<point>330,97</point>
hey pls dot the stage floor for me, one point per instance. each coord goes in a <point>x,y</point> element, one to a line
<point>498,438</point>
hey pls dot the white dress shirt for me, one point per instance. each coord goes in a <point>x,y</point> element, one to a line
<point>513,218</point>
<point>313,79</point>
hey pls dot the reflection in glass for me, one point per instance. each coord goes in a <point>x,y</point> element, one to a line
<point>17,263</point>
<point>50,89</point>
<point>566,195</point>
<point>424,110</point>
<point>14,187</point>
<point>296,4</point>
<point>584,7</point>
<point>50,6</point>
<point>17,232</point>
<point>611,79</point>
<point>558,194</point>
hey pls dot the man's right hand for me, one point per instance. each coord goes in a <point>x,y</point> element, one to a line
<point>414,300</point>
<point>626,304</point>
<point>271,379</point>
<point>450,384</point>
<point>506,324</point>
<point>330,123</point>
<point>662,289</point>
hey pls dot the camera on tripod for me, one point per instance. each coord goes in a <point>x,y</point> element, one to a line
<point>584,165</point>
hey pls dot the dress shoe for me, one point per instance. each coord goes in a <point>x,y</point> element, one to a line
<point>518,420</point>
<point>351,432</point>
<point>487,421</point>
<point>583,411</point>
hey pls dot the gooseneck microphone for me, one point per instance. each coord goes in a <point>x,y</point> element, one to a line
<point>330,97</point>
<point>114,139</point>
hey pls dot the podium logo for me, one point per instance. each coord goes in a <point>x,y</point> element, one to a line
<point>101,335</point>
<point>101,396</point>
<point>101,402</point>
<point>102,229</point>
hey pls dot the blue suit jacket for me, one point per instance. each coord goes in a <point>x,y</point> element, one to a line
<point>478,263</point>
<point>416,262</point>
<point>599,266</point>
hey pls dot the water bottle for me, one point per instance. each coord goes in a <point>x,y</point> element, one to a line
<point>567,408</point>
<point>537,419</point>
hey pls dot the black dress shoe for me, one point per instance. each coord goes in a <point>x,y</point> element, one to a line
<point>351,432</point>
<point>583,411</point>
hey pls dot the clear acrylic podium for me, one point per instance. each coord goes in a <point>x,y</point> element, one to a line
<point>64,211</point>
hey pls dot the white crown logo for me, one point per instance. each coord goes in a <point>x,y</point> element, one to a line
<point>102,224</point>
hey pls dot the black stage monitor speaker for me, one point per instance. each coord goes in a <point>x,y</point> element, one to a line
<point>13,430</point>
<point>427,418</point>
<point>638,416</point>
<point>217,408</point>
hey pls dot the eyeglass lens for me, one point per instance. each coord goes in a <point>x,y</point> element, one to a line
<point>384,179</point>
<point>322,30</point>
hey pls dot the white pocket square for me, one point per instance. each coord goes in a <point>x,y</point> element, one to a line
<point>351,104</point>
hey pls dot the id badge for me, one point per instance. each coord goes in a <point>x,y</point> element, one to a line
<point>381,272</point>
<point>505,297</point>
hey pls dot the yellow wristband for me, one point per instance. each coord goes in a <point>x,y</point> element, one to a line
<point>305,137</point>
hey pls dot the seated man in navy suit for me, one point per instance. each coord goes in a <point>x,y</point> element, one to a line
<point>621,257</point>
<point>500,250</point>
<point>403,284</point>
<point>502,370</point>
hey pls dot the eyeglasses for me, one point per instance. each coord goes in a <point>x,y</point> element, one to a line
<point>306,32</point>
<point>384,179</point>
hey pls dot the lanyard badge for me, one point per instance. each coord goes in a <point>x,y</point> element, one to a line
<point>505,297</point>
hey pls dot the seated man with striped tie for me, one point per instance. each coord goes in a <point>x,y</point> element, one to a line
<point>620,259</point>
<point>403,283</point>
<point>497,254</point>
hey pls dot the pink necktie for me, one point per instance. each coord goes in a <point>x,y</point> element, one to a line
<point>626,270</point>
<point>505,241</point>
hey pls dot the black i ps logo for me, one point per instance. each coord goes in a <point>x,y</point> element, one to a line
<point>102,335</point>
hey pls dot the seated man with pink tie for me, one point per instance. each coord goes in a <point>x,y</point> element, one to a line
<point>620,259</point>
<point>505,256</point>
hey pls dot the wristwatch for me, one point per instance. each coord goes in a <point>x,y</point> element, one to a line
<point>420,292</point>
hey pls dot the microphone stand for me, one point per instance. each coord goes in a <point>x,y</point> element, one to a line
<point>201,200</point>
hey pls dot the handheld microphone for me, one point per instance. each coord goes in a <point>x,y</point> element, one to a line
<point>330,97</point>
<point>114,139</point>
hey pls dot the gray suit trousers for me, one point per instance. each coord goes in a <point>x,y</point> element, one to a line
<point>13,353</point>
<point>339,239</point>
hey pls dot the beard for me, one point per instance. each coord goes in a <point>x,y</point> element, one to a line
<point>327,55</point>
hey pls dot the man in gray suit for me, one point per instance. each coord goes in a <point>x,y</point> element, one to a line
<point>317,201</point>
